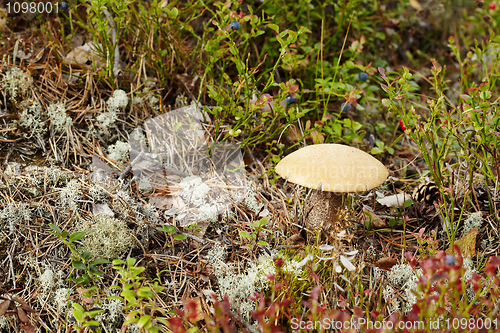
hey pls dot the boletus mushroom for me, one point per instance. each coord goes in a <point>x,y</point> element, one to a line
<point>331,170</point>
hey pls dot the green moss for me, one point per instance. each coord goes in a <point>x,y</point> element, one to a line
<point>105,237</point>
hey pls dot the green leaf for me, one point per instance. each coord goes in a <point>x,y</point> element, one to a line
<point>338,85</point>
<point>56,228</point>
<point>393,222</point>
<point>473,91</point>
<point>143,321</point>
<point>168,229</point>
<point>86,255</point>
<point>129,296</point>
<point>91,323</point>
<point>117,262</point>
<point>380,35</point>
<point>85,278</point>
<point>173,13</point>
<point>273,27</point>
<point>135,313</point>
<point>158,288</point>
<point>95,271</point>
<point>180,237</point>
<point>165,322</point>
<point>128,293</point>
<point>137,270</point>
<point>337,127</point>
<point>262,243</point>
<point>467,99</point>
<point>93,313</point>
<point>99,262</point>
<point>245,234</point>
<point>376,150</point>
<point>408,203</point>
<point>76,236</point>
<point>78,312</point>
<point>78,307</point>
<point>131,320</point>
<point>328,130</point>
<point>369,221</point>
<point>79,265</point>
<point>78,280</point>
<point>131,261</point>
<point>263,221</point>
<point>145,292</point>
<point>356,126</point>
<point>303,30</point>
<point>484,105</point>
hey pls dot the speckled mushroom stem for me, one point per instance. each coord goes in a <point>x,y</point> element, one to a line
<point>322,209</point>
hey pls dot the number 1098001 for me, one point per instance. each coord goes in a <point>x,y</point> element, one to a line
<point>40,7</point>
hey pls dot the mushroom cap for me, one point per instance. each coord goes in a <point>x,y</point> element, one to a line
<point>334,168</point>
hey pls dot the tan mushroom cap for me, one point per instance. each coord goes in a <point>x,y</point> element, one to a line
<point>333,168</point>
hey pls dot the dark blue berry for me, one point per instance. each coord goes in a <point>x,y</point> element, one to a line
<point>235,25</point>
<point>290,99</point>
<point>64,5</point>
<point>363,76</point>
<point>450,260</point>
<point>345,107</point>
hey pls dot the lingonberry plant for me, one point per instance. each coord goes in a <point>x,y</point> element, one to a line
<point>138,297</point>
<point>446,300</point>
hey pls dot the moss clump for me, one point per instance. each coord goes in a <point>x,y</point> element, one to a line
<point>59,118</point>
<point>31,118</point>
<point>16,82</point>
<point>14,214</point>
<point>105,237</point>
<point>119,151</point>
<point>70,194</point>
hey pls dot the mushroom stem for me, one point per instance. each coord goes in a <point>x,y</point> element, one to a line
<point>322,209</point>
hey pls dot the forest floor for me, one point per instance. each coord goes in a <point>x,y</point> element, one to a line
<point>138,147</point>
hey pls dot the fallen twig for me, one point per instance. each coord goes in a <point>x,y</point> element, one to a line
<point>129,167</point>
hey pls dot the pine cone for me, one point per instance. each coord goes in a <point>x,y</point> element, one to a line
<point>480,196</point>
<point>426,192</point>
